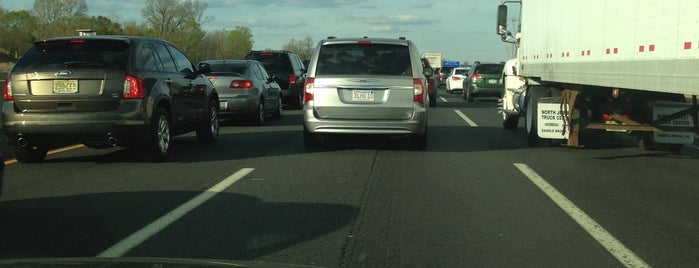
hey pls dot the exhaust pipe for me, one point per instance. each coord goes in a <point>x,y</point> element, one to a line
<point>22,142</point>
<point>111,140</point>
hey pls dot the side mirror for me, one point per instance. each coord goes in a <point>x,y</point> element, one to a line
<point>427,71</point>
<point>502,20</point>
<point>272,78</point>
<point>204,68</point>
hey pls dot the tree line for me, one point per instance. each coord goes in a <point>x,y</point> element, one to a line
<point>177,21</point>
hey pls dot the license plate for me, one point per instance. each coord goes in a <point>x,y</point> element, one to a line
<point>613,123</point>
<point>492,81</point>
<point>223,105</point>
<point>65,86</point>
<point>362,95</point>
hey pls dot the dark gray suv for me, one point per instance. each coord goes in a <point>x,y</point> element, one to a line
<point>106,91</point>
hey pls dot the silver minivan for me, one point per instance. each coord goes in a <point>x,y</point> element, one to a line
<point>366,86</point>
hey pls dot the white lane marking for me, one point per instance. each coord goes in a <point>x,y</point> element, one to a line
<point>119,249</point>
<point>607,240</point>
<point>465,118</point>
<point>443,99</point>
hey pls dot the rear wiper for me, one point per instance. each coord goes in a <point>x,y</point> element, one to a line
<point>82,64</point>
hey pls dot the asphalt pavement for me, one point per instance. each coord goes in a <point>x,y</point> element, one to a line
<point>479,196</point>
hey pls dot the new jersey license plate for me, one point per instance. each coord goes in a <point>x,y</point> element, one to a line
<point>65,86</point>
<point>362,95</point>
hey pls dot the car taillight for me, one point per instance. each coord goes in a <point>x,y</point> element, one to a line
<point>240,84</point>
<point>8,90</point>
<point>133,88</point>
<point>455,78</point>
<point>418,91</point>
<point>292,79</point>
<point>308,89</point>
<point>475,76</point>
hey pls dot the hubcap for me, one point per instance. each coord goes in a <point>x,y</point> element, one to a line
<point>163,134</point>
<point>281,109</point>
<point>261,113</point>
<point>214,121</point>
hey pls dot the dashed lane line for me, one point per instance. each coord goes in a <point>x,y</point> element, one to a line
<point>465,118</point>
<point>135,239</point>
<point>607,240</point>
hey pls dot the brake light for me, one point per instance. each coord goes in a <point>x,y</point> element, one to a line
<point>455,78</point>
<point>292,79</point>
<point>240,84</point>
<point>308,89</point>
<point>475,76</point>
<point>133,88</point>
<point>418,91</point>
<point>76,41</point>
<point>364,42</point>
<point>266,54</point>
<point>8,90</point>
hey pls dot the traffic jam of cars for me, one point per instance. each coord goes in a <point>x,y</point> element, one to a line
<point>359,151</point>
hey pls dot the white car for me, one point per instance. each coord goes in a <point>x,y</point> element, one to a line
<point>455,79</point>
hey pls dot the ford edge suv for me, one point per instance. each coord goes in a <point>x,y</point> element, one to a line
<point>106,91</point>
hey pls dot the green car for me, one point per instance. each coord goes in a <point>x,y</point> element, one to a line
<point>484,80</point>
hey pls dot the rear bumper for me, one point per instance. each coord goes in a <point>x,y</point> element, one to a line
<point>128,127</point>
<point>417,124</point>
<point>238,105</point>
<point>487,91</point>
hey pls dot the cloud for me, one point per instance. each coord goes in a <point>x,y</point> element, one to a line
<point>381,28</point>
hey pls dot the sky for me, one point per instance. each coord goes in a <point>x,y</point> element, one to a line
<point>462,30</point>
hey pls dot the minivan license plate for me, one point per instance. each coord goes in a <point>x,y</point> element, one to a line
<point>362,95</point>
<point>492,81</point>
<point>65,86</point>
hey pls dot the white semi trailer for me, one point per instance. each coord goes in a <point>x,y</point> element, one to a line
<point>630,66</point>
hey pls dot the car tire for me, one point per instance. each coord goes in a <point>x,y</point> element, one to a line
<point>299,100</point>
<point>158,148</point>
<point>469,96</point>
<point>30,154</point>
<point>208,131</point>
<point>310,140</point>
<point>280,109</point>
<point>258,118</point>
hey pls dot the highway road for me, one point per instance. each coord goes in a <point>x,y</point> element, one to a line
<point>477,197</point>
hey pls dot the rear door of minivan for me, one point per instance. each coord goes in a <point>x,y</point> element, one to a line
<point>363,80</point>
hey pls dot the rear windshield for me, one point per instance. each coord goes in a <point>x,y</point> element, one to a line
<point>364,59</point>
<point>228,68</point>
<point>74,54</point>
<point>461,71</point>
<point>275,63</point>
<point>489,69</point>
